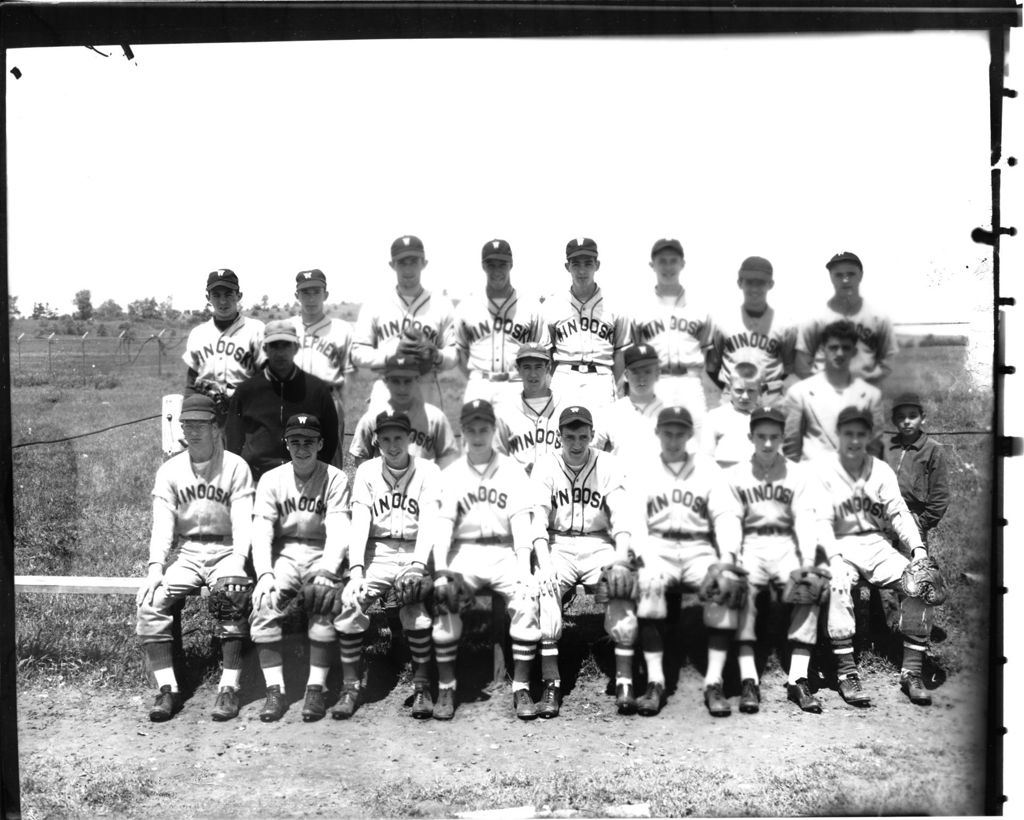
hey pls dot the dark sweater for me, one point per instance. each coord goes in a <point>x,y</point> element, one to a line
<point>921,470</point>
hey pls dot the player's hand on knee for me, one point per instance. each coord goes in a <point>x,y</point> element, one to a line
<point>265,594</point>
<point>842,580</point>
<point>354,592</point>
<point>547,582</point>
<point>148,589</point>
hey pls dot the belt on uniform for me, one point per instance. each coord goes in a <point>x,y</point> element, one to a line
<point>768,530</point>
<point>204,538</point>
<point>585,368</point>
<point>491,377</point>
<point>862,532</point>
<point>490,539</point>
<point>677,535</point>
<point>309,542</point>
<point>677,370</point>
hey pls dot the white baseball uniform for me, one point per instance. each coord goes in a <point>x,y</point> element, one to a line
<point>812,408</point>
<point>227,357</point>
<point>876,341</point>
<point>431,437</point>
<point>767,341</point>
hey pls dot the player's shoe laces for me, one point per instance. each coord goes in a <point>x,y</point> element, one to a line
<point>166,704</point>
<point>625,699</point>
<point>714,699</point>
<point>273,706</point>
<point>913,686</point>
<point>550,701</point>
<point>444,708</point>
<point>313,707</point>
<point>525,708</point>
<point>800,694</point>
<point>651,701</point>
<point>422,705</point>
<point>852,692</point>
<point>226,705</point>
<point>750,696</point>
<point>347,703</point>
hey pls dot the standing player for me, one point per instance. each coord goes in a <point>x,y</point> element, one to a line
<point>693,538</point>
<point>225,351</point>
<point>324,345</point>
<point>780,540</point>
<point>489,329</point>
<point>630,420</point>
<point>754,334</point>
<point>865,511</point>
<point>299,507</point>
<point>586,517</point>
<point>431,436</point>
<point>395,500</point>
<point>202,499</point>
<point>727,432</point>
<point>484,539</point>
<point>876,342</point>
<point>411,321</point>
<point>587,334</point>
<point>678,329</point>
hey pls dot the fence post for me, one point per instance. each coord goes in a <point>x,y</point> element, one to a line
<point>20,337</point>
<point>160,352</point>
<point>84,379</point>
<point>49,352</point>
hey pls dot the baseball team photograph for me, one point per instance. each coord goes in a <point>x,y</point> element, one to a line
<point>662,487</point>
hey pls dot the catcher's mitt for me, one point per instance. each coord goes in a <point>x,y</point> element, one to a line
<point>231,598</point>
<point>454,596</point>
<point>415,344</point>
<point>923,579</point>
<point>725,584</point>
<point>807,586</point>
<point>413,585</point>
<point>322,599</point>
<point>617,581</point>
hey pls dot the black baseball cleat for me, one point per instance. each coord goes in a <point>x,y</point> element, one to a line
<point>313,707</point>
<point>912,685</point>
<point>422,704</point>
<point>274,705</point>
<point>226,705</point>
<point>651,701</point>
<point>800,694</point>
<point>525,708</point>
<point>625,699</point>
<point>444,708</point>
<point>347,703</point>
<point>166,705</point>
<point>750,696</point>
<point>852,692</point>
<point>714,699</point>
<point>550,701</point>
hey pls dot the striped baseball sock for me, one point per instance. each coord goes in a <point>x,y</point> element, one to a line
<point>446,652</point>
<point>747,661</point>
<point>523,654</point>
<point>913,655</point>
<point>549,660</point>
<point>421,649</point>
<point>843,651</point>
<point>351,657</point>
<point>623,664</point>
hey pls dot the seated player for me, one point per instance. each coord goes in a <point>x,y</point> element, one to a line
<point>866,510</point>
<point>202,499</point>
<point>484,540</point>
<point>727,429</point>
<point>395,500</point>
<point>299,507</point>
<point>780,540</point>
<point>586,517</point>
<point>629,421</point>
<point>692,540</point>
<point>431,437</point>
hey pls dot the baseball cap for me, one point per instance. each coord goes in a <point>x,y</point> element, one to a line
<point>533,351</point>
<point>575,413</point>
<point>639,354</point>
<point>402,364</point>
<point>392,418</point>
<point>911,399</point>
<point>848,414</point>
<point>222,277</point>
<point>280,331</point>
<point>406,246</point>
<point>675,415</point>
<point>767,414</point>
<point>496,249</point>
<point>302,423</point>
<point>581,246</point>
<point>197,408</point>
<point>844,256</point>
<point>310,277</point>
<point>666,245</point>
<point>476,410</point>
<point>756,264</point>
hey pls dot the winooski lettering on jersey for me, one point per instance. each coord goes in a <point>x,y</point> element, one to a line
<point>660,502</point>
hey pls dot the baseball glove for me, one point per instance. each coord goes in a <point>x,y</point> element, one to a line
<point>807,586</point>
<point>413,585</point>
<point>618,582</point>
<point>219,397</point>
<point>453,597</point>
<point>725,584</point>
<point>231,598</point>
<point>322,599</point>
<point>922,579</point>
<point>415,344</point>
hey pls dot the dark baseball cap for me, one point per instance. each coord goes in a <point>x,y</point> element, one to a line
<point>407,246</point>
<point>575,414</point>
<point>756,264</point>
<point>402,364</point>
<point>496,249</point>
<point>310,277</point>
<point>580,246</point>
<point>197,407</point>
<point>675,415</point>
<point>477,410</point>
<point>222,277</point>
<point>849,414</point>
<point>392,418</point>
<point>908,399</point>
<point>844,256</point>
<point>280,330</point>
<point>639,354</point>
<point>666,245</point>
<point>533,351</point>
<point>302,423</point>
<point>760,414</point>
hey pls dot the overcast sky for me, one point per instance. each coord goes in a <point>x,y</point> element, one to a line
<point>136,178</point>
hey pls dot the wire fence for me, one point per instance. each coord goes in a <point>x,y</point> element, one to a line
<point>82,360</point>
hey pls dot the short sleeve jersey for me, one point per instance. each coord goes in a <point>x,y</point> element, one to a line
<point>585,332</point>
<point>201,499</point>
<point>398,505</point>
<point>688,498</point>
<point>431,437</point>
<point>767,341</point>
<point>382,321</point>
<point>480,500</point>
<point>576,502</point>
<point>226,358</point>
<point>677,327</point>
<point>325,349</point>
<point>488,333</point>
<point>301,509</point>
<point>525,431</point>
<point>876,341</point>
